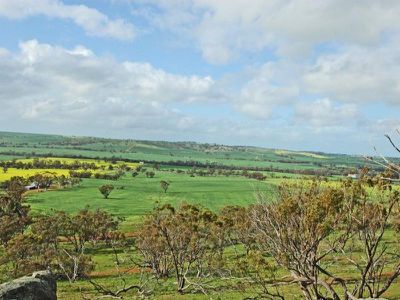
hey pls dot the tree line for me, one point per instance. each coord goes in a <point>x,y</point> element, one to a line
<point>320,171</point>
<point>75,165</point>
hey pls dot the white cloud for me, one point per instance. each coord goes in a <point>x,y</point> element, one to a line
<point>324,113</point>
<point>358,74</point>
<point>343,50</point>
<point>53,89</point>
<point>224,29</point>
<point>259,98</point>
<point>4,52</point>
<point>91,20</point>
<point>266,88</point>
<point>44,83</point>
<point>387,125</point>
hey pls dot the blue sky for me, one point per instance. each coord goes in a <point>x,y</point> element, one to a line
<point>303,75</point>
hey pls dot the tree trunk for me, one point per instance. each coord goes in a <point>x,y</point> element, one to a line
<point>181,284</point>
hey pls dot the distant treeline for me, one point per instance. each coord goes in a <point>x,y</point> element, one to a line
<point>88,174</point>
<point>49,164</point>
<point>317,172</point>
<point>84,144</point>
<point>38,163</point>
<point>78,146</point>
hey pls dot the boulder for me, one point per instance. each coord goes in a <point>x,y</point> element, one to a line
<point>39,286</point>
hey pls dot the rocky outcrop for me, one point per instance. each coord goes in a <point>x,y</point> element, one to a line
<point>40,286</point>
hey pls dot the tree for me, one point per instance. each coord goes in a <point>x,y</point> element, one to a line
<point>59,242</point>
<point>311,223</point>
<point>392,168</point>
<point>260,276</point>
<point>164,185</point>
<point>106,190</point>
<point>233,228</point>
<point>123,283</point>
<point>178,241</point>
<point>63,181</point>
<point>293,229</point>
<point>150,174</point>
<point>379,264</point>
<point>43,180</point>
<point>75,181</point>
<point>14,215</point>
<point>135,173</point>
<point>5,169</point>
<point>119,173</point>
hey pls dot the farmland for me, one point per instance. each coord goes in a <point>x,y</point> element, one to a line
<point>209,176</point>
<point>191,149</point>
<point>11,172</point>
<point>175,153</point>
<point>139,195</point>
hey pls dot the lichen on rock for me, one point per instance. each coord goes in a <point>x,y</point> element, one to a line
<point>39,286</point>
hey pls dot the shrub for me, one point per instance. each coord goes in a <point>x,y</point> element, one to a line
<point>106,190</point>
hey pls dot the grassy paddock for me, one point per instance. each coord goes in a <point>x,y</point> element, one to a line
<point>135,197</point>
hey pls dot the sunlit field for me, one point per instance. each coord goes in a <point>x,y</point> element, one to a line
<point>135,194</point>
<point>11,172</point>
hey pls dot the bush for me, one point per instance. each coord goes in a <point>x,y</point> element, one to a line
<point>106,190</point>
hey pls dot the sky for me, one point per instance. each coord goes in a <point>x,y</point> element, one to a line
<point>293,74</point>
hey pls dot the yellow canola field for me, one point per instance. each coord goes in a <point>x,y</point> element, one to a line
<point>27,173</point>
<point>11,172</point>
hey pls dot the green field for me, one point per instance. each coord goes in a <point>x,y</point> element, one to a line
<point>22,144</point>
<point>135,197</point>
<point>140,194</point>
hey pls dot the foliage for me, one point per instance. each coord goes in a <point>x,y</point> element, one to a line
<point>43,180</point>
<point>311,224</point>
<point>13,213</point>
<point>150,174</point>
<point>177,241</point>
<point>59,242</point>
<point>164,185</point>
<point>106,189</point>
